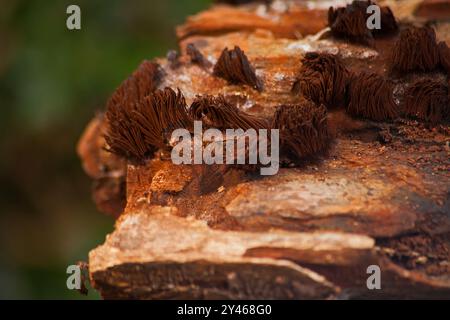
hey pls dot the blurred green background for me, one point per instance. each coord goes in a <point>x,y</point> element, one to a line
<point>52,81</point>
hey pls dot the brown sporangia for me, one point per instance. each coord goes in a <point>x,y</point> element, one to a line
<point>427,100</point>
<point>370,97</point>
<point>196,56</point>
<point>447,113</point>
<point>388,23</point>
<point>415,50</point>
<point>239,2</point>
<point>444,56</point>
<point>233,66</point>
<point>217,112</point>
<point>121,140</point>
<point>159,114</point>
<point>323,79</point>
<point>142,82</point>
<point>303,130</point>
<point>350,22</point>
<point>122,137</point>
<point>173,58</point>
<point>138,131</point>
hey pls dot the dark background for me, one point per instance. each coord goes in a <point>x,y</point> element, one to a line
<point>52,81</point>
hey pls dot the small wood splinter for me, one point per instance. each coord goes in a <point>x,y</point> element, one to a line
<point>323,79</point>
<point>370,97</point>
<point>351,22</point>
<point>303,130</point>
<point>415,50</point>
<point>218,113</point>
<point>233,66</point>
<point>427,100</point>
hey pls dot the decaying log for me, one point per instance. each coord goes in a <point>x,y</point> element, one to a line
<point>379,196</point>
<point>106,169</point>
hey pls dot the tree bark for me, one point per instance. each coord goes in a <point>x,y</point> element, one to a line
<point>380,197</point>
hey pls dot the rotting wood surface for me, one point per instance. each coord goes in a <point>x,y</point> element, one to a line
<point>380,196</point>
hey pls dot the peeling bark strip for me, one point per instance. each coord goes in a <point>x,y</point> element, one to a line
<point>138,131</point>
<point>233,66</point>
<point>303,130</point>
<point>415,50</point>
<point>351,22</point>
<point>323,79</point>
<point>218,113</point>
<point>370,96</point>
<point>427,100</point>
<point>196,56</point>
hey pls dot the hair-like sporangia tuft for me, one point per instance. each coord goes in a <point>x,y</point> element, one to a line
<point>137,132</point>
<point>217,112</point>
<point>444,56</point>
<point>233,66</point>
<point>415,50</point>
<point>323,79</point>
<point>388,23</point>
<point>122,140</point>
<point>447,110</point>
<point>160,113</point>
<point>350,22</point>
<point>142,82</point>
<point>123,137</point>
<point>371,96</point>
<point>173,58</point>
<point>303,130</point>
<point>427,100</point>
<point>239,2</point>
<point>196,56</point>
